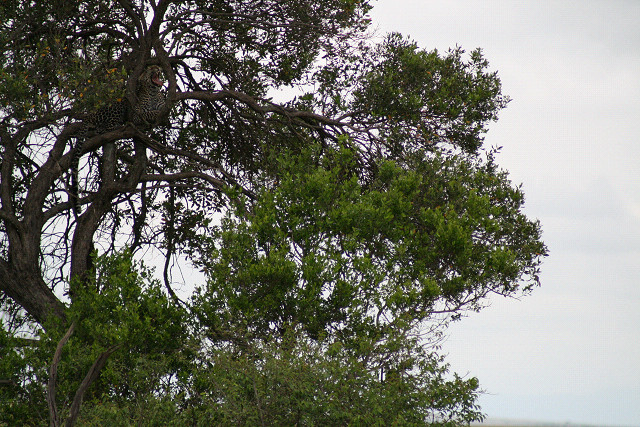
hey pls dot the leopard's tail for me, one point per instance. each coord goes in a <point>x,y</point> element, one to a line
<point>74,188</point>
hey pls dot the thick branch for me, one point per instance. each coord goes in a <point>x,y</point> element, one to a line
<point>20,276</point>
<point>88,222</point>
<point>39,188</point>
<point>27,288</point>
<point>104,30</point>
<point>6,170</point>
<point>11,219</point>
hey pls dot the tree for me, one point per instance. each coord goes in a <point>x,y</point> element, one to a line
<point>331,189</point>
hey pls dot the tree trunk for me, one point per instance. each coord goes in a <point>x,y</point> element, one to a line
<point>27,288</point>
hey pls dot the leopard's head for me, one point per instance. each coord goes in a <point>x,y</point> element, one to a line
<point>152,75</point>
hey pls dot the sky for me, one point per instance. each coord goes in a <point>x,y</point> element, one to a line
<point>569,352</point>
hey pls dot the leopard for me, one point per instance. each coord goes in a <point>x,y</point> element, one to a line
<point>150,102</point>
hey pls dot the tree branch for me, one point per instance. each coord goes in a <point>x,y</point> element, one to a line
<point>185,175</point>
<point>136,18</point>
<point>88,222</point>
<point>53,376</point>
<point>91,376</point>
<point>27,288</point>
<point>269,107</point>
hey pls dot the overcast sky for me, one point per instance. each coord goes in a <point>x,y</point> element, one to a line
<point>570,352</point>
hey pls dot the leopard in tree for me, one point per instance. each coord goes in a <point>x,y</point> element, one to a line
<point>150,102</point>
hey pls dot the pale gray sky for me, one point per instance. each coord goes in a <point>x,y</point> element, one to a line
<point>571,351</point>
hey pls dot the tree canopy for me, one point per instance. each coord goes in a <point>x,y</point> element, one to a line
<point>332,186</point>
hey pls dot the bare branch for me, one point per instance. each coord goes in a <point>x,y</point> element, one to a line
<point>135,17</point>
<point>184,176</point>
<point>269,107</point>
<point>53,377</point>
<point>91,376</point>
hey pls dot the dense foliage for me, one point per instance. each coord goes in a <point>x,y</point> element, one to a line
<point>334,191</point>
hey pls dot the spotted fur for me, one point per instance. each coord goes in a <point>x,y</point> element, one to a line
<point>151,101</point>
